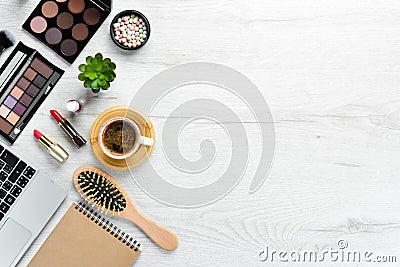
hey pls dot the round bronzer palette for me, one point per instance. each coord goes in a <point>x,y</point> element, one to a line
<point>66,26</point>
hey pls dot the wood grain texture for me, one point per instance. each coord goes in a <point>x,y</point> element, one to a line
<point>329,71</point>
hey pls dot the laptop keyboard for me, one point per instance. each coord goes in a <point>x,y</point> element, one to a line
<point>14,177</point>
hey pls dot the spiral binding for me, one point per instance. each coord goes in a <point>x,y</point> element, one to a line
<point>96,217</point>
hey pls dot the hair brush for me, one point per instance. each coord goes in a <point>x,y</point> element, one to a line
<point>102,191</point>
<point>6,40</point>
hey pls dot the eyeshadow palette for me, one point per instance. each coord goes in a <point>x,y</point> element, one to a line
<point>26,78</point>
<point>66,26</point>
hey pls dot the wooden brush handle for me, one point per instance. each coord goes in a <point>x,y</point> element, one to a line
<point>159,234</point>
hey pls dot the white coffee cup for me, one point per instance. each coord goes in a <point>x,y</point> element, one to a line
<point>140,139</point>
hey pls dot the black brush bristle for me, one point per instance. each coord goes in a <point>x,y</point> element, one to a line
<point>6,40</point>
<point>101,192</point>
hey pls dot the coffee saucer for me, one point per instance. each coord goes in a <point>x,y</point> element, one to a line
<point>142,154</point>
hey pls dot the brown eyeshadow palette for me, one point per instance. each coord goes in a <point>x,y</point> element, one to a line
<point>26,78</point>
<point>66,26</point>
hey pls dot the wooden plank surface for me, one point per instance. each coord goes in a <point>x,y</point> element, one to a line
<point>330,73</point>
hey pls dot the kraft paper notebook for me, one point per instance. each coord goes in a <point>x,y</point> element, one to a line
<point>85,239</point>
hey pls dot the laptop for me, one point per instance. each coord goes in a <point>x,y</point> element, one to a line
<point>28,199</point>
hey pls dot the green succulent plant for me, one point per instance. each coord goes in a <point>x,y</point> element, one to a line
<point>97,73</point>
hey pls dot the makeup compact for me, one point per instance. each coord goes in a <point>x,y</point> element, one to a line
<point>66,26</point>
<point>26,78</point>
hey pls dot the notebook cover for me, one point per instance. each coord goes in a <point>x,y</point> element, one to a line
<point>79,241</point>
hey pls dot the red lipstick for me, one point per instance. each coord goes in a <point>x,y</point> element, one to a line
<point>37,134</point>
<point>55,150</point>
<point>68,129</point>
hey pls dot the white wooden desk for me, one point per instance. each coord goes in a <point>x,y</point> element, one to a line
<point>330,73</point>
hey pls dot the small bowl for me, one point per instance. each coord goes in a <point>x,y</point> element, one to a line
<point>129,13</point>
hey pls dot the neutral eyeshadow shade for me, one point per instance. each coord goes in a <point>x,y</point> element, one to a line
<point>30,74</point>
<point>38,24</point>
<point>17,93</point>
<point>65,20</point>
<point>80,32</point>
<point>19,109</point>
<point>50,9</point>
<point>53,36</point>
<point>69,47</point>
<point>76,6</point>
<point>23,83</point>
<point>26,100</point>
<point>91,16</point>
<point>33,90</point>
<point>4,111</point>
<point>39,81</point>
<point>42,68</point>
<point>5,126</point>
<point>61,1</point>
<point>10,101</point>
<point>13,118</point>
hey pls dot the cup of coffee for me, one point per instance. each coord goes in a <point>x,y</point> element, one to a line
<point>120,138</point>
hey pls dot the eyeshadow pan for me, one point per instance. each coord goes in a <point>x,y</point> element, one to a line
<point>16,92</point>
<point>26,100</point>
<point>42,68</point>
<point>19,109</point>
<point>65,20</point>
<point>4,111</point>
<point>91,16</point>
<point>50,9</point>
<point>10,101</point>
<point>33,90</point>
<point>39,81</point>
<point>76,6</point>
<point>30,74</point>
<point>69,47</point>
<point>23,83</point>
<point>53,36</point>
<point>80,32</point>
<point>13,118</point>
<point>5,126</point>
<point>38,24</point>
